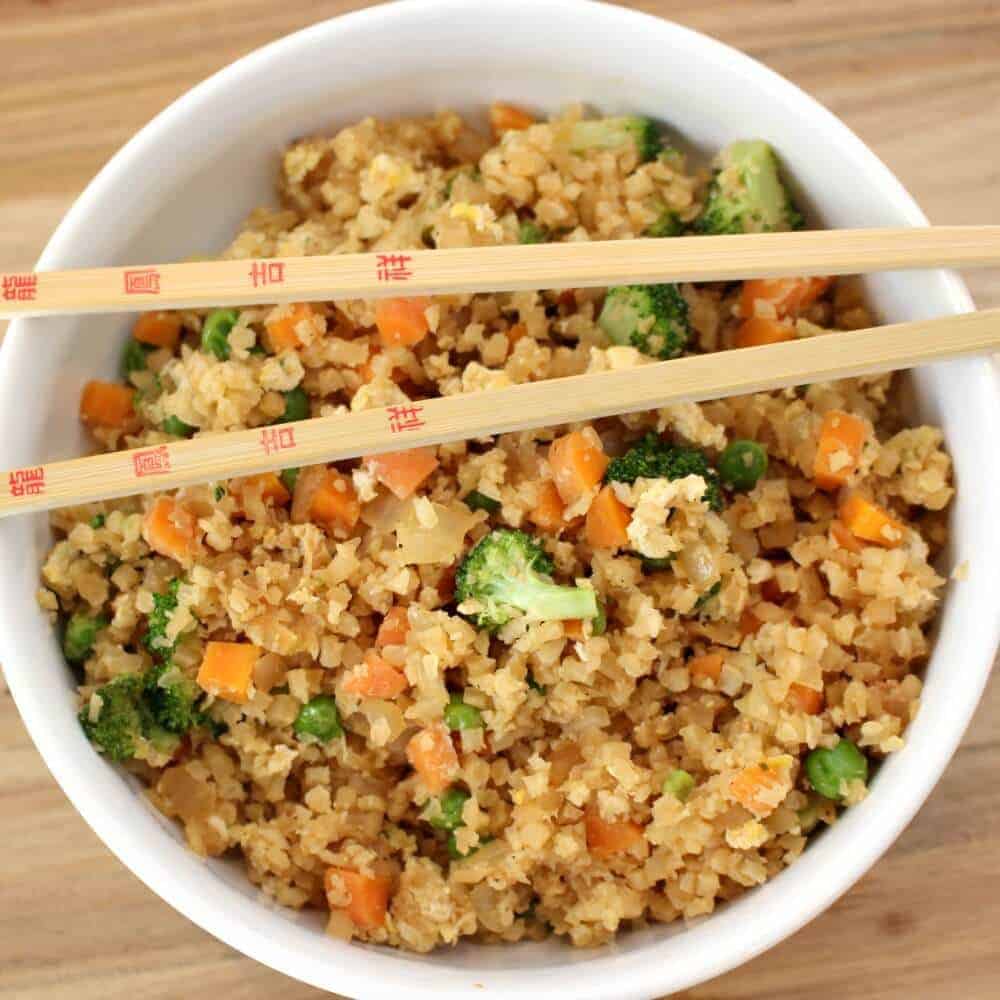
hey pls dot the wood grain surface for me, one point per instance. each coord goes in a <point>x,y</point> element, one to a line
<point>919,80</point>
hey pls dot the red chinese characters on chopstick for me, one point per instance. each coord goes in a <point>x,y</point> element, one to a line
<point>151,461</point>
<point>142,281</point>
<point>19,287</point>
<point>405,418</point>
<point>393,266</point>
<point>267,272</point>
<point>27,482</point>
<point>277,439</point>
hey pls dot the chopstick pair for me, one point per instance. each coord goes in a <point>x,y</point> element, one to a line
<point>520,407</point>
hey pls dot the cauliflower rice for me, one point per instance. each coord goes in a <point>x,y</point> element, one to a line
<point>810,635</point>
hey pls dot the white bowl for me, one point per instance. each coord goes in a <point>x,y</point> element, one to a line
<point>182,186</point>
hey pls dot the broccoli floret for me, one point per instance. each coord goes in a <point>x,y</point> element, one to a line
<point>610,133</point>
<point>668,224</point>
<point>122,719</point>
<point>652,318</point>
<point>80,635</point>
<point>164,605</point>
<point>746,194</point>
<point>173,699</point>
<point>654,458</point>
<point>508,572</point>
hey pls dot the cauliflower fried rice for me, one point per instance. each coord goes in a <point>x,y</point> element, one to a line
<point>366,747</point>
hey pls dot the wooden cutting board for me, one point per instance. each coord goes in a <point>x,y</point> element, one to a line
<point>919,80</point>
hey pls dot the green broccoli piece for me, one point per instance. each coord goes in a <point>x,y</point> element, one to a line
<point>119,725</point>
<point>172,699</point>
<point>80,635</point>
<point>133,357</point>
<point>746,194</point>
<point>668,224</point>
<point>532,232</point>
<point>654,458</point>
<point>508,572</point>
<point>652,318</point>
<point>611,133</point>
<point>164,605</point>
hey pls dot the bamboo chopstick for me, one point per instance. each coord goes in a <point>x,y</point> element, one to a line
<point>533,404</point>
<point>494,269</point>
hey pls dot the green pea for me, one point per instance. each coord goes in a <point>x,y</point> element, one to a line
<point>531,232</point>
<point>475,500</point>
<point>133,358</point>
<point>534,685</point>
<point>174,426</point>
<point>296,406</point>
<point>656,564</point>
<point>458,715</point>
<point>449,815</point>
<point>97,521</point>
<point>827,769</point>
<point>708,595</point>
<point>219,492</point>
<point>80,635</point>
<point>679,784</point>
<point>215,332</point>
<point>289,477</point>
<point>319,719</point>
<point>742,464</point>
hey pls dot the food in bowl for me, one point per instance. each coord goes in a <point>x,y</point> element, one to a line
<point>557,682</point>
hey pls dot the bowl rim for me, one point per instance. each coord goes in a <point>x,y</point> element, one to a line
<point>614,970</point>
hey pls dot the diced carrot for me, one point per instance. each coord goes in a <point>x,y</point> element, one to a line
<point>106,404</point>
<point>548,510</point>
<point>508,118</point>
<point>573,629</point>
<point>786,296</point>
<point>759,788</point>
<point>843,537</point>
<point>607,521</point>
<point>842,437</point>
<point>432,755</point>
<point>806,699</point>
<point>708,666</point>
<point>170,529</point>
<point>161,329</point>
<point>403,471</point>
<point>402,322</point>
<point>757,330</point>
<point>394,628</point>
<point>517,332</point>
<point>606,838</point>
<point>376,679</point>
<point>282,332</point>
<point>867,520</point>
<point>578,463</point>
<point>334,503</point>
<point>268,486</point>
<point>749,623</point>
<point>369,896</point>
<point>227,669</point>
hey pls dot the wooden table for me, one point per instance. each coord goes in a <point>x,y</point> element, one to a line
<point>919,80</point>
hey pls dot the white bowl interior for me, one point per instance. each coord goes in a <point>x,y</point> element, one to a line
<point>184,185</point>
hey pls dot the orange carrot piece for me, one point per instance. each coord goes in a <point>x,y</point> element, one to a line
<point>376,679</point>
<point>842,438</point>
<point>607,521</point>
<point>508,118</point>
<point>548,510</point>
<point>606,838</point>
<point>432,755</point>
<point>170,529</point>
<point>369,896</point>
<point>573,629</point>
<point>758,788</point>
<point>161,329</point>
<point>806,699</point>
<point>282,332</point>
<point>708,666</point>
<point>517,332</point>
<point>402,322</point>
<point>394,628</point>
<point>578,464</point>
<point>106,404</point>
<point>334,502</point>
<point>757,330</point>
<point>227,670</point>
<point>403,471</point>
<point>843,537</point>
<point>786,296</point>
<point>267,485</point>
<point>867,520</point>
